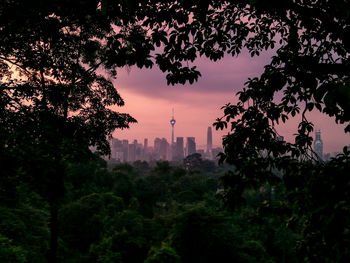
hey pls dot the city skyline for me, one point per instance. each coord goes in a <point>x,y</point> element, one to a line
<point>125,135</point>
<point>176,150</point>
<point>150,101</point>
<point>130,151</point>
<point>201,140</point>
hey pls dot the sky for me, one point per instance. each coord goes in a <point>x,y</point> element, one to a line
<point>150,101</point>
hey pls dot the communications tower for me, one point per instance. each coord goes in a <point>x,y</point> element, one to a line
<point>172,122</point>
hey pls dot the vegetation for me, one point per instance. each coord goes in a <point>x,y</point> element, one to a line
<point>169,215</point>
<point>58,201</point>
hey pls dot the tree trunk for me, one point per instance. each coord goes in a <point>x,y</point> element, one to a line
<point>52,257</point>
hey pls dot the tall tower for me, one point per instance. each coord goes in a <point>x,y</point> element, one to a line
<point>318,145</point>
<point>172,122</point>
<point>209,140</point>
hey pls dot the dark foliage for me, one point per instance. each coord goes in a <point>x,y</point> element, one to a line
<point>55,103</point>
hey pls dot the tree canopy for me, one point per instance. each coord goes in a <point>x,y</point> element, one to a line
<point>309,71</point>
<point>55,104</point>
<point>59,50</point>
<point>58,58</point>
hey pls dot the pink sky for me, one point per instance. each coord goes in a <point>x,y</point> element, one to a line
<point>149,100</point>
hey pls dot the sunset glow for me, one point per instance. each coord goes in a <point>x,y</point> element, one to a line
<point>149,100</point>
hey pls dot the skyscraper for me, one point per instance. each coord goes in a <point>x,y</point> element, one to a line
<point>145,144</point>
<point>178,155</point>
<point>172,122</point>
<point>156,149</point>
<point>209,140</point>
<point>132,153</point>
<point>163,151</point>
<point>125,150</point>
<point>116,149</point>
<point>145,150</point>
<point>318,145</point>
<point>191,145</point>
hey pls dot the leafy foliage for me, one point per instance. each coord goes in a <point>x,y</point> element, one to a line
<point>55,103</point>
<point>9,252</point>
<point>163,254</point>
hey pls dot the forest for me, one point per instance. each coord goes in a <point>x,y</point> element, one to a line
<point>266,200</point>
<point>167,212</point>
<point>143,213</point>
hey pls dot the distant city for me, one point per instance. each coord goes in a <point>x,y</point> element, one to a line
<point>175,150</point>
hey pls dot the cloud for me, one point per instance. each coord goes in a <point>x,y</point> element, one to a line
<point>224,76</point>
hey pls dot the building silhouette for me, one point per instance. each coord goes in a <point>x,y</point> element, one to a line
<point>145,155</point>
<point>208,153</point>
<point>138,151</point>
<point>131,153</point>
<point>156,149</point>
<point>318,145</point>
<point>123,151</point>
<point>209,140</point>
<point>178,153</point>
<point>190,146</point>
<point>145,145</point>
<point>163,151</point>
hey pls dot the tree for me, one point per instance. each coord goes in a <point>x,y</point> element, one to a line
<point>193,162</point>
<point>9,252</point>
<point>205,234</point>
<point>127,240</point>
<point>310,69</point>
<point>50,85</point>
<point>310,65</point>
<point>54,103</point>
<point>162,255</point>
<point>87,220</point>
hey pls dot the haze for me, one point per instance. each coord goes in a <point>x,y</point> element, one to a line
<point>150,101</point>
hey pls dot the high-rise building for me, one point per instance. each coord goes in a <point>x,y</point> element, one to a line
<point>163,151</point>
<point>125,147</point>
<point>138,150</point>
<point>178,154</point>
<point>156,148</point>
<point>157,142</point>
<point>145,144</point>
<point>318,145</point>
<point>190,146</point>
<point>132,153</point>
<point>209,140</point>
<point>145,150</point>
<point>172,122</point>
<point>116,149</point>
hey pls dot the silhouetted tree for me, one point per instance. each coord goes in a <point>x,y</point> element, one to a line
<point>54,104</point>
<point>309,68</point>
